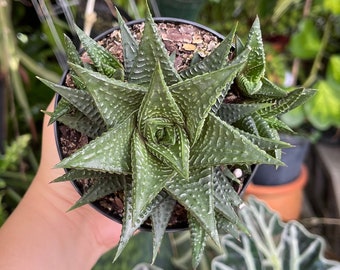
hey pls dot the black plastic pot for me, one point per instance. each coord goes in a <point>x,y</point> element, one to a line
<point>269,175</point>
<point>77,186</point>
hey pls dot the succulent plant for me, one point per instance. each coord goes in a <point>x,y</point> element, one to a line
<point>164,137</point>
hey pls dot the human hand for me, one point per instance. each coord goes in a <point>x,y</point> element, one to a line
<point>41,233</point>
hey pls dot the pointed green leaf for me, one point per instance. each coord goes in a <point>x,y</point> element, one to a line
<point>197,95</point>
<point>63,107</point>
<point>103,60</point>
<point>149,174</point>
<point>132,223</point>
<point>174,155</point>
<point>198,240</point>
<point>79,174</point>
<point>101,187</point>
<point>115,100</point>
<point>71,51</point>
<point>226,198</point>
<point>239,46</point>
<point>293,99</point>
<point>196,195</point>
<point>249,81</point>
<point>255,66</point>
<point>79,122</point>
<point>79,99</point>
<point>115,143</point>
<point>239,59</point>
<point>225,226</point>
<point>258,130</point>
<point>129,44</point>
<point>129,226</point>
<point>279,125</point>
<point>263,143</point>
<point>263,127</point>
<point>248,125</point>
<point>269,89</point>
<point>158,102</point>
<point>220,144</point>
<point>232,112</point>
<point>161,121</point>
<point>73,57</point>
<point>150,51</point>
<point>223,189</point>
<point>160,218</point>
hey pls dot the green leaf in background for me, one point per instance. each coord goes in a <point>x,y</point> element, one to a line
<point>305,43</point>
<point>333,71</point>
<point>272,244</point>
<point>294,118</point>
<point>14,152</point>
<point>323,110</point>
<point>332,5</point>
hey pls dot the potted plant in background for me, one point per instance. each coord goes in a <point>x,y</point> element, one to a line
<point>281,188</point>
<point>166,133</point>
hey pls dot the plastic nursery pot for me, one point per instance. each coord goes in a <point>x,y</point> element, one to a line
<point>285,199</point>
<point>111,199</point>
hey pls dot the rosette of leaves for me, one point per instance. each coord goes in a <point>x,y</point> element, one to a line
<point>164,137</point>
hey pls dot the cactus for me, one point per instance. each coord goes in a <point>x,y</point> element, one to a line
<point>163,137</point>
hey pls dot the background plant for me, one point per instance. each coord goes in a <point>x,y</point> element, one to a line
<point>23,55</point>
<point>272,244</point>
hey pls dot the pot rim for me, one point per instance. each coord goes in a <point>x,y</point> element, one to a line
<point>144,227</point>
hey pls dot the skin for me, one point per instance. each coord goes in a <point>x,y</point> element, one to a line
<point>41,234</point>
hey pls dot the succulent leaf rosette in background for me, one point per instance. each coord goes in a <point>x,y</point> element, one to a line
<point>163,137</point>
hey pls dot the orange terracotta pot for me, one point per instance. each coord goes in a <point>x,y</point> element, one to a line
<point>284,199</point>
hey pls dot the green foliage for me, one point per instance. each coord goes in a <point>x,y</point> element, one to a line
<point>24,54</point>
<point>272,244</point>
<point>306,42</point>
<point>332,6</point>
<point>156,136</point>
<point>12,183</point>
<point>13,153</point>
<point>318,114</point>
<point>315,41</point>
